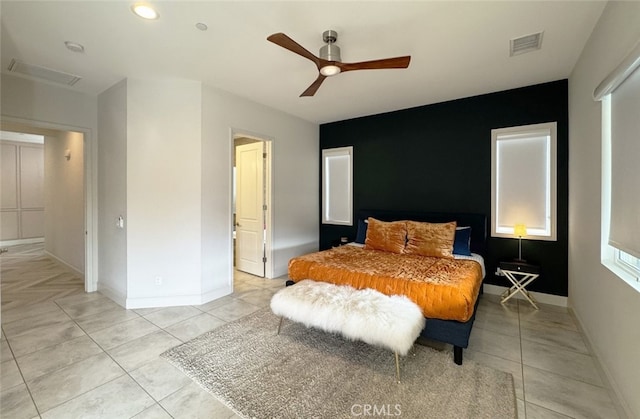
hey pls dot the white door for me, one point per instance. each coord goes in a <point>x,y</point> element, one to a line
<point>250,208</point>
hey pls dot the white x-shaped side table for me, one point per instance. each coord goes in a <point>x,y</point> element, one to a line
<point>520,276</point>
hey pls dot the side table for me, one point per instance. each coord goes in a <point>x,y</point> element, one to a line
<point>520,274</point>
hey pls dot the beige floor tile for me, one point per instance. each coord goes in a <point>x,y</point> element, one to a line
<point>154,412</point>
<point>234,310</point>
<point>497,322</point>
<point>136,353</point>
<point>216,303</point>
<point>42,320</point>
<point>159,378</point>
<point>88,308</point>
<point>10,376</point>
<point>554,336</point>
<point>41,338</point>
<point>96,322</point>
<point>145,311</point>
<point>79,298</point>
<point>538,412</point>
<point>520,405</point>
<point>561,361</point>
<point>550,317</point>
<point>25,312</point>
<point>192,401</point>
<point>64,384</point>
<point>171,315</point>
<point>496,344</point>
<point>194,326</point>
<point>275,283</point>
<point>16,403</point>
<point>119,398</point>
<point>5,351</point>
<point>123,332</point>
<point>259,298</point>
<point>492,303</point>
<point>567,396</point>
<point>56,357</point>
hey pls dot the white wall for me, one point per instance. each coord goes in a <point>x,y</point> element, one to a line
<point>112,191</point>
<point>295,148</point>
<point>48,106</point>
<point>154,138</point>
<point>607,308</point>
<point>64,199</point>
<point>163,192</point>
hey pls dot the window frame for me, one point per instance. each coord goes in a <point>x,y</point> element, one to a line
<point>345,191</point>
<point>548,129</point>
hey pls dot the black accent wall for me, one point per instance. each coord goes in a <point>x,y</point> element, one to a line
<point>438,158</point>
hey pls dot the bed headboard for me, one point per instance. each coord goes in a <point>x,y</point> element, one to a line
<point>477,222</point>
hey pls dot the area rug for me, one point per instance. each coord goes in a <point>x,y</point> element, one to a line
<point>307,373</point>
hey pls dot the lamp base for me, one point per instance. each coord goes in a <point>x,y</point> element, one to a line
<point>519,260</point>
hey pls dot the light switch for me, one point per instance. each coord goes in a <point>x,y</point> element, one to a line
<point>120,222</point>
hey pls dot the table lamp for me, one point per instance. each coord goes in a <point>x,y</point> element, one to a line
<point>520,230</point>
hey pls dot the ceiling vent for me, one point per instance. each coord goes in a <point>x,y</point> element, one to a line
<point>525,44</point>
<point>43,73</point>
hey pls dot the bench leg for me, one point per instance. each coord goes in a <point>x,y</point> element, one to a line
<point>280,324</point>
<point>397,368</point>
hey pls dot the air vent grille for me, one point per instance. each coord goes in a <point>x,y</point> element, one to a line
<point>525,44</point>
<point>43,73</point>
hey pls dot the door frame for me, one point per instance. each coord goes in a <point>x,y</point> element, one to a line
<point>268,142</point>
<point>90,193</point>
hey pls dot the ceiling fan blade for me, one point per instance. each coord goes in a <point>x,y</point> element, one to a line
<point>396,62</point>
<point>311,90</point>
<point>287,43</point>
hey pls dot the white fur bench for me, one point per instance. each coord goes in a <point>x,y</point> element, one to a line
<point>393,322</point>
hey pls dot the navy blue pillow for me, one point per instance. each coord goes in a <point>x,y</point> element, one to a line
<point>362,231</point>
<point>462,241</point>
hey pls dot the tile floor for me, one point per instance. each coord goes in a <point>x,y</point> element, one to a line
<point>84,356</point>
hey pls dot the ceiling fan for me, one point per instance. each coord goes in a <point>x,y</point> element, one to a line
<point>329,62</point>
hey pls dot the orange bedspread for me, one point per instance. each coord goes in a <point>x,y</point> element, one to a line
<point>443,288</point>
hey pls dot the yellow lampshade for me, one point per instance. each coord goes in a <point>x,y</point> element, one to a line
<point>520,230</point>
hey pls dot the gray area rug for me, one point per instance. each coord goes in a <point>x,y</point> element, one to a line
<point>306,373</point>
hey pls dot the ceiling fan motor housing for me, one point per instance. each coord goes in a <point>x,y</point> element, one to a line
<point>330,52</point>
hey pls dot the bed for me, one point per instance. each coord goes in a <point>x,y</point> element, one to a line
<point>396,256</point>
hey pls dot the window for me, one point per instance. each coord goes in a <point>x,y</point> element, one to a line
<point>628,262</point>
<point>523,181</point>
<point>337,186</point>
<point>620,96</point>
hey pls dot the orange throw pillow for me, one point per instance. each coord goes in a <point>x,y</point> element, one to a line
<point>387,236</point>
<point>430,239</point>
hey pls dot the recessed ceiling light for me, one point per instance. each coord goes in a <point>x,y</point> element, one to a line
<point>145,11</point>
<point>202,26</point>
<point>74,46</point>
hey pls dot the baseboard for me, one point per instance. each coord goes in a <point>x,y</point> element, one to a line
<point>65,264</point>
<point>623,409</point>
<point>540,297</point>
<point>114,295</point>
<point>21,241</point>
<point>215,294</point>
<point>179,300</point>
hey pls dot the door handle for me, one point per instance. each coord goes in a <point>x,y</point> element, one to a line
<point>237,224</point>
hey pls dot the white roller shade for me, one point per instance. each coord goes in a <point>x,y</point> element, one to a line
<point>337,185</point>
<point>624,231</point>
<point>522,182</point>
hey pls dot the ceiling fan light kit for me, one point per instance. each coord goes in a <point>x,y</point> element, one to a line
<point>329,63</point>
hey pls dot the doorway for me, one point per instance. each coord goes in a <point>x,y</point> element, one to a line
<point>67,194</point>
<point>251,187</point>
